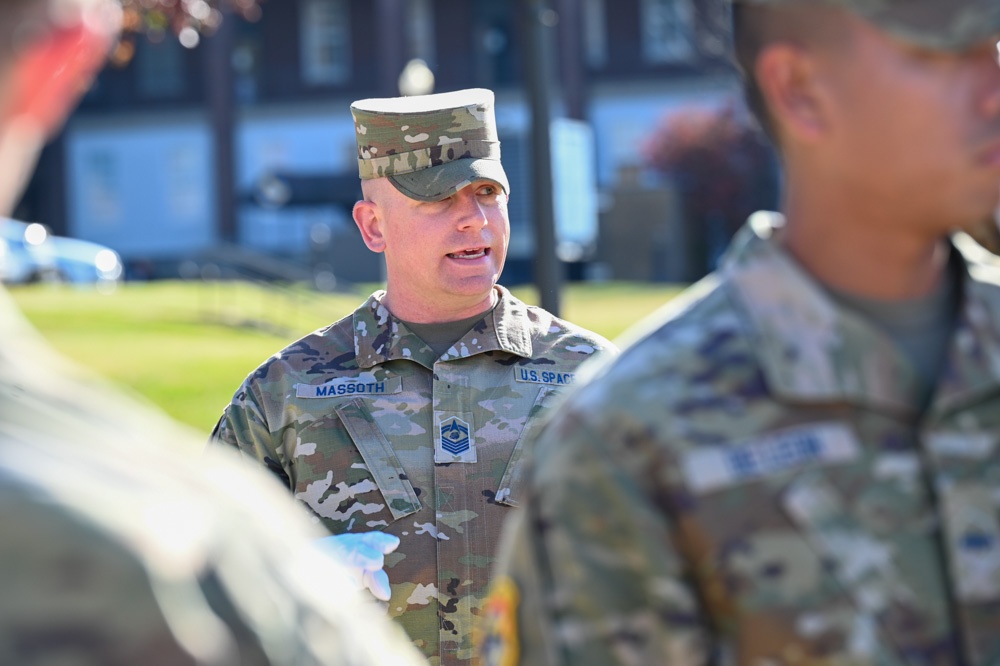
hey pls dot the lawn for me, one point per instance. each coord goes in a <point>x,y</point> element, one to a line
<point>187,346</point>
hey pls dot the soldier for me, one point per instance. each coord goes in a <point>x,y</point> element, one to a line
<point>410,415</point>
<point>797,461</point>
<point>118,543</point>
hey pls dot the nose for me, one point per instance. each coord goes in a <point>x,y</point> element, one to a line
<point>470,213</point>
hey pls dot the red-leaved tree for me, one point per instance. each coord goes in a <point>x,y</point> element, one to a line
<point>723,170</point>
<point>156,19</point>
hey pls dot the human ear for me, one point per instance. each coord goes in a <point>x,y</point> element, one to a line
<point>788,79</point>
<point>368,216</point>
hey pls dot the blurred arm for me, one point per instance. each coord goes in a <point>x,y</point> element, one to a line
<point>591,563</point>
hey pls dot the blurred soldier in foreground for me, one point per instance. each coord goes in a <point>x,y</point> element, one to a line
<point>410,415</point>
<point>797,462</point>
<point>119,544</point>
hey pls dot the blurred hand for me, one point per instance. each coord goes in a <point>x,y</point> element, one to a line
<point>364,554</point>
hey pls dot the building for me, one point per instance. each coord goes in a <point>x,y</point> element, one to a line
<point>146,163</point>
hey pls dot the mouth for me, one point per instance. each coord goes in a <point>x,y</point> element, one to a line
<point>471,253</point>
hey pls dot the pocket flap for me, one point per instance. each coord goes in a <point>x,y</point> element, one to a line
<point>511,485</point>
<point>380,458</point>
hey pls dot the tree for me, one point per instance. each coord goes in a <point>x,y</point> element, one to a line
<point>723,170</point>
<point>186,19</point>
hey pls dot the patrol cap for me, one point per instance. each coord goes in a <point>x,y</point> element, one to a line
<point>429,146</point>
<point>945,25</point>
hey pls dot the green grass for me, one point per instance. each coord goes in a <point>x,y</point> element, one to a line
<point>186,347</point>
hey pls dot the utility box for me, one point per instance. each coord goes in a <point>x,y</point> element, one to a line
<point>643,235</point>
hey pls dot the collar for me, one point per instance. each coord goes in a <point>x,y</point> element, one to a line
<point>380,337</point>
<point>973,366</point>
<point>810,350</point>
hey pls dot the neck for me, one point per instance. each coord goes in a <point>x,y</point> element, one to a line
<point>869,252</point>
<point>438,313</point>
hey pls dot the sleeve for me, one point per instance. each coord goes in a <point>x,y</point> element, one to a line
<point>94,583</point>
<point>591,563</point>
<point>72,594</point>
<point>244,427</point>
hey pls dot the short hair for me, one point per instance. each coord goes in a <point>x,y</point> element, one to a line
<point>749,39</point>
<point>755,27</point>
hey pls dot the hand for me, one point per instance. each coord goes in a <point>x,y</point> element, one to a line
<point>364,554</point>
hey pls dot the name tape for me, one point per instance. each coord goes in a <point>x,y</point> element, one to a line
<point>349,387</point>
<point>549,377</point>
<point>710,468</point>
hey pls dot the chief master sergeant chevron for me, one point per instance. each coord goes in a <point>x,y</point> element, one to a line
<point>410,416</point>
<point>799,461</point>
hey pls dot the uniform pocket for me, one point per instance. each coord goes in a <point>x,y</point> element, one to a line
<point>381,460</point>
<point>511,485</point>
<point>813,543</point>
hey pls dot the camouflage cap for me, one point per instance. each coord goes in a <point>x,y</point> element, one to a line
<point>429,146</point>
<point>948,25</point>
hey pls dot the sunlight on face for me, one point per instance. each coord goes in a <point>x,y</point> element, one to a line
<point>444,257</point>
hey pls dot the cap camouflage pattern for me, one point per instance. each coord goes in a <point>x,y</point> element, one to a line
<point>948,25</point>
<point>429,146</point>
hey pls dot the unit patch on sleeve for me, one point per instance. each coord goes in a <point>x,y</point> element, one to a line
<point>497,639</point>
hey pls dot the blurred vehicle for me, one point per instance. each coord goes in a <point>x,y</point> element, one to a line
<point>29,253</point>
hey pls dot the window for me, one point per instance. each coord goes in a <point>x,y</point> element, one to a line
<point>420,31</point>
<point>595,34</point>
<point>667,31</point>
<point>497,64</point>
<point>326,42</point>
<point>160,69</point>
<point>716,34</point>
<point>102,185</point>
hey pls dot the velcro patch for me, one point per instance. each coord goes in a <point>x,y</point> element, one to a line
<point>967,445</point>
<point>349,386</point>
<point>714,467</point>
<point>972,536</point>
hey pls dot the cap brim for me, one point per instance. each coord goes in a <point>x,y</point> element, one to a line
<point>439,182</point>
<point>938,24</point>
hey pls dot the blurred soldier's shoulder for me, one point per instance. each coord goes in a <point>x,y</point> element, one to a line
<point>124,542</point>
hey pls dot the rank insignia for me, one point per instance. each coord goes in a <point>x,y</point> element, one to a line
<point>455,436</point>
<point>455,441</point>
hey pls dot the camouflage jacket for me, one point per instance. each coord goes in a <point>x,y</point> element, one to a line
<point>371,431</point>
<point>748,484</point>
<point>120,544</point>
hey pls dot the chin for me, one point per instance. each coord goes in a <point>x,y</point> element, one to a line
<point>474,287</point>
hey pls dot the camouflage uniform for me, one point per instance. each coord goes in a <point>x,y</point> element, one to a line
<point>749,484</point>
<point>371,431</point>
<point>121,546</point>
